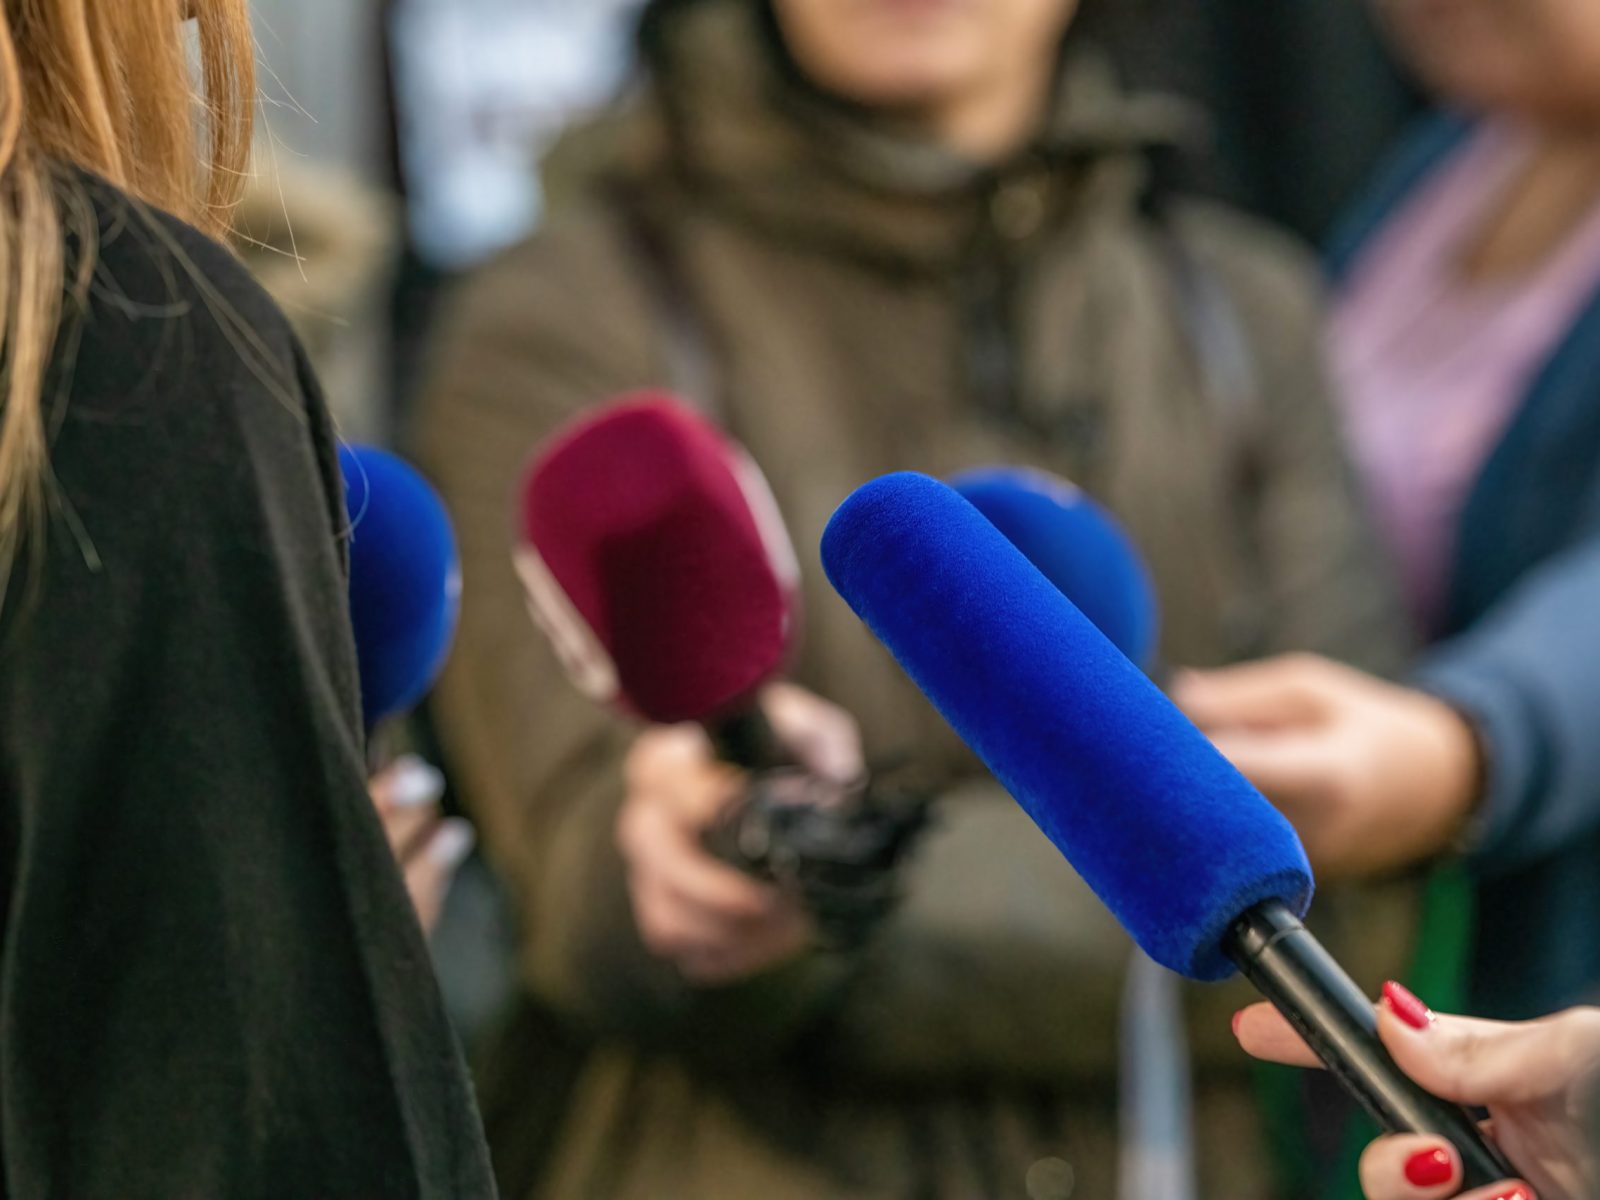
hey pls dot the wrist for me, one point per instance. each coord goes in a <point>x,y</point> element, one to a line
<point>1461,769</point>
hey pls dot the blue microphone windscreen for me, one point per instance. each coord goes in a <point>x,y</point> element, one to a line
<point>1077,545</point>
<point>1168,834</point>
<point>405,579</point>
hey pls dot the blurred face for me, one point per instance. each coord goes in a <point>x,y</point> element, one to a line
<point>910,54</point>
<point>1538,58</point>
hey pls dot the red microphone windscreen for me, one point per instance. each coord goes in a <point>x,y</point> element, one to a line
<point>656,560</point>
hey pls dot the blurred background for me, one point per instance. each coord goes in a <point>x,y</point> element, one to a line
<point>754,227</point>
<point>400,147</point>
<point>406,137</point>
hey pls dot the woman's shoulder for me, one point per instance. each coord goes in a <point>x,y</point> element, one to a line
<point>171,321</point>
<point>147,262</point>
<point>178,374</point>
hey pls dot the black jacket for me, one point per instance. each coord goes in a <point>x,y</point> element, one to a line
<point>212,983</point>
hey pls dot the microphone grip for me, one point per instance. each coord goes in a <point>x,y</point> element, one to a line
<point>746,739</point>
<point>1288,966</point>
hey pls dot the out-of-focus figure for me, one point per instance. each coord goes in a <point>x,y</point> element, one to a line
<point>323,244</point>
<point>1467,346</point>
<point>867,235</point>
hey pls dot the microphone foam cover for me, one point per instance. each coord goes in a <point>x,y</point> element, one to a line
<point>657,561</point>
<point>1077,545</point>
<point>405,579</point>
<point>1165,831</point>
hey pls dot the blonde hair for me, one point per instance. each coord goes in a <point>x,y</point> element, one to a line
<point>107,86</point>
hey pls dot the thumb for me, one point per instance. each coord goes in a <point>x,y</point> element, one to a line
<point>823,736</point>
<point>1479,1062</point>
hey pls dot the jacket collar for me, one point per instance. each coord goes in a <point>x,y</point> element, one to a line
<point>723,120</point>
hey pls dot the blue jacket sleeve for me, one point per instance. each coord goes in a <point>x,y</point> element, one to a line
<point>1528,674</point>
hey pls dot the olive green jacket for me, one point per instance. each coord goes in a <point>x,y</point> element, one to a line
<point>864,303</point>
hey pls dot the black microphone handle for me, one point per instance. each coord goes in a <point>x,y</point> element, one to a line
<point>1291,968</point>
<point>745,739</point>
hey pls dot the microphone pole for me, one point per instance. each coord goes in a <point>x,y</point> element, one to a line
<point>1287,965</point>
<point>746,739</point>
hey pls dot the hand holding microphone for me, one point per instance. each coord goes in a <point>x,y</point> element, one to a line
<point>429,848</point>
<point>1538,1080</point>
<point>1200,869</point>
<point>405,597</point>
<point>657,563</point>
<point>715,922</point>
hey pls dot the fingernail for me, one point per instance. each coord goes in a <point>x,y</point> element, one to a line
<point>1430,1168</point>
<point>452,843</point>
<point>415,784</point>
<point>1521,1192</point>
<point>1406,1006</point>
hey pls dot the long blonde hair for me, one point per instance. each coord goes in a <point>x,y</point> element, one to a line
<point>108,86</point>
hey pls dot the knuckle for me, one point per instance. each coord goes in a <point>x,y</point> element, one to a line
<point>1463,1048</point>
<point>1584,1021</point>
<point>1306,674</point>
<point>1582,1032</point>
<point>660,934</point>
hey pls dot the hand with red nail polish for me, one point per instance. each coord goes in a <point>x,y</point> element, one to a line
<point>1431,1168</point>
<point>1539,1080</point>
<point>1399,1000</point>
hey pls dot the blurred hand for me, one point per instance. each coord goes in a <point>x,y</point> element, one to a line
<point>713,922</point>
<point>1374,777</point>
<point>428,849</point>
<point>1537,1080</point>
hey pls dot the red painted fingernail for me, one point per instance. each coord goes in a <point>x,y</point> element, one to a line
<point>1406,1006</point>
<point>1430,1168</point>
<point>1521,1192</point>
<point>1238,1019</point>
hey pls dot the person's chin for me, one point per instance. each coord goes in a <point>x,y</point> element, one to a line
<point>901,80</point>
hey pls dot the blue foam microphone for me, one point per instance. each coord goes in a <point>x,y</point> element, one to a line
<point>405,579</point>
<point>1081,548</point>
<point>1078,546</point>
<point>1200,869</point>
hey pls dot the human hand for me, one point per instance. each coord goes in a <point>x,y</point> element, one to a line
<point>716,924</point>
<point>428,849</point>
<point>1374,777</point>
<point>1537,1080</point>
